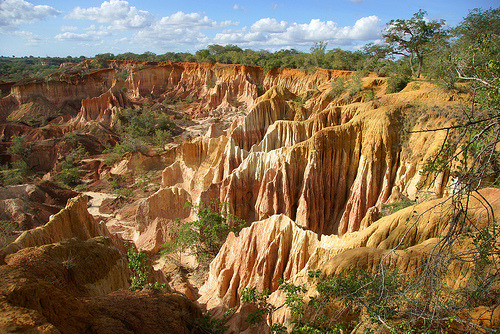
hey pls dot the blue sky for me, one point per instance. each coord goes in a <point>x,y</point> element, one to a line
<point>75,28</point>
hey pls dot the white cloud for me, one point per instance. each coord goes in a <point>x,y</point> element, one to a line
<point>194,29</point>
<point>68,28</point>
<point>16,12</point>
<point>191,20</point>
<point>180,28</point>
<point>238,7</point>
<point>270,32</point>
<point>91,34</point>
<point>116,12</point>
<point>366,28</point>
<point>30,38</point>
<point>357,1</point>
<point>269,25</point>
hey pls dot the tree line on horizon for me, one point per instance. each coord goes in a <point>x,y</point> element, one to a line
<point>411,47</point>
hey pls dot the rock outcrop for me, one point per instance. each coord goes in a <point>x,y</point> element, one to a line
<point>263,253</point>
<point>104,107</point>
<point>307,167</point>
<point>67,276</point>
<point>61,90</point>
<point>156,215</point>
<point>323,165</point>
<point>72,222</point>
<point>31,205</point>
<point>215,85</point>
<point>146,311</point>
<point>276,248</point>
<point>88,268</point>
<point>37,296</point>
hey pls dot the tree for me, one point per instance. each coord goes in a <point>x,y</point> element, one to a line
<point>205,236</point>
<point>414,38</point>
<point>477,23</point>
<point>462,54</point>
<point>318,53</point>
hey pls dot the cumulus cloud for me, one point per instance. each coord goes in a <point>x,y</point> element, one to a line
<point>269,25</point>
<point>116,12</point>
<point>270,32</point>
<point>192,20</point>
<point>119,17</point>
<point>366,28</point>
<point>180,28</point>
<point>16,12</point>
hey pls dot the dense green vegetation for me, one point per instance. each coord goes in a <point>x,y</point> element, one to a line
<point>14,69</point>
<point>15,172</point>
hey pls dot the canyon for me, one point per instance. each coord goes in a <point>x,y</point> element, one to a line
<point>308,169</point>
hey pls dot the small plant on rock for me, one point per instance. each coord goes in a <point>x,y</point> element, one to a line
<point>7,235</point>
<point>15,174</point>
<point>18,145</point>
<point>69,173</point>
<point>140,270</point>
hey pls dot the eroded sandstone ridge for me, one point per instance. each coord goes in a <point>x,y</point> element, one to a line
<point>308,168</point>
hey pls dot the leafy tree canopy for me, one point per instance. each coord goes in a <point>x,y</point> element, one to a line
<point>413,37</point>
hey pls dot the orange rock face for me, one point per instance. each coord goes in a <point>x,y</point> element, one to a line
<point>324,164</point>
<point>60,91</point>
<point>308,168</point>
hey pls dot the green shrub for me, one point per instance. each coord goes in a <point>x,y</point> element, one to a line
<point>71,137</point>
<point>337,87</point>
<point>124,192</point>
<point>6,232</point>
<point>18,145</point>
<point>15,174</point>
<point>205,236</point>
<point>355,84</point>
<point>397,83</point>
<point>389,209</point>
<point>213,325</point>
<point>379,294</point>
<point>370,96</point>
<point>128,145</point>
<point>123,74</point>
<point>163,122</point>
<point>141,127</point>
<point>140,270</point>
<point>81,187</point>
<point>161,138</point>
<point>69,173</point>
<point>111,158</point>
<point>189,99</point>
